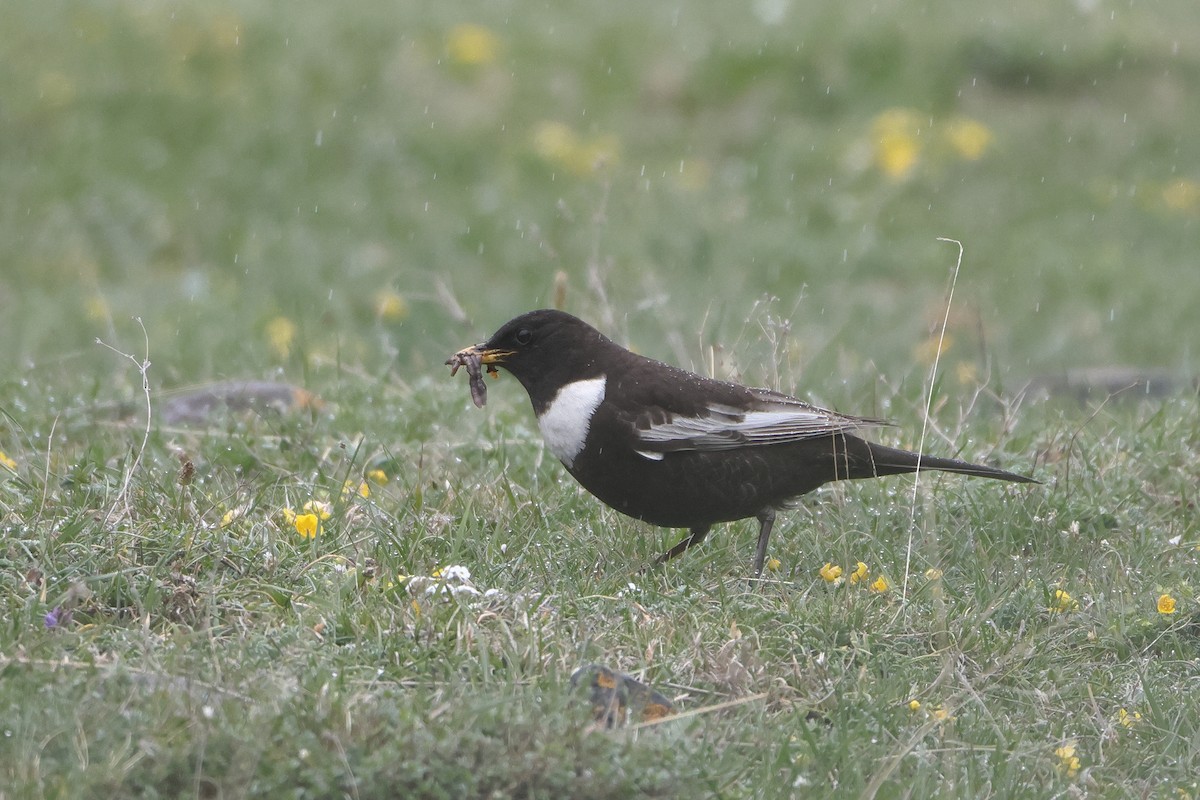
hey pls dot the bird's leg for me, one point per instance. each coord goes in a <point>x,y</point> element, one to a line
<point>766,520</point>
<point>695,537</point>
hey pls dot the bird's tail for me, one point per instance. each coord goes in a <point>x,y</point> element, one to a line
<point>893,461</point>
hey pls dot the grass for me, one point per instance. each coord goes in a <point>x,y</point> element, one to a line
<point>340,196</point>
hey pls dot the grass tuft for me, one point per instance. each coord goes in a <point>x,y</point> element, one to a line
<point>262,602</point>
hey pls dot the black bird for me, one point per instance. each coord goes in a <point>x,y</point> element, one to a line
<point>674,448</point>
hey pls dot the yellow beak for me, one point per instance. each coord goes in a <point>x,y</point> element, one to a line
<point>486,357</point>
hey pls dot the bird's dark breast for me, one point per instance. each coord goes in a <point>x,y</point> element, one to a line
<point>692,488</point>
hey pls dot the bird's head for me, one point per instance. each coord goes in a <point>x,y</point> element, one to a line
<point>542,349</point>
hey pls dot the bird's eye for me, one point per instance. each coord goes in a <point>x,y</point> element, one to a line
<point>524,336</point>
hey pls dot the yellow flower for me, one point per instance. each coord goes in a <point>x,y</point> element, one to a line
<point>967,373</point>
<point>281,333</point>
<point>914,705</point>
<point>96,308</point>
<point>1068,762</point>
<point>1166,604</point>
<point>933,574</point>
<point>390,305</point>
<point>377,477</point>
<point>554,141</point>
<point>940,714</point>
<point>1063,601</point>
<point>472,45</point>
<point>597,153</point>
<point>320,508</point>
<point>897,148</point>
<point>1127,719</point>
<point>773,564</point>
<point>362,489</point>
<point>225,31</point>
<point>558,144</point>
<point>1182,195</point>
<point>693,174</point>
<point>968,138</point>
<point>880,585</point>
<point>289,516</point>
<point>8,462</point>
<point>897,155</point>
<point>395,583</point>
<point>932,347</point>
<point>307,525</point>
<point>860,572</point>
<point>830,572</point>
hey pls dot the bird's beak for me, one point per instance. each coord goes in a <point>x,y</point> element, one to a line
<point>486,357</point>
<point>475,358</point>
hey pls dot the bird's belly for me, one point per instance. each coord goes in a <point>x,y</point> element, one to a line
<point>689,489</point>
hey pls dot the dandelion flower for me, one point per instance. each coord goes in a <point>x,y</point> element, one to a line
<point>860,572</point>
<point>1166,604</point>
<point>914,705</point>
<point>830,572</point>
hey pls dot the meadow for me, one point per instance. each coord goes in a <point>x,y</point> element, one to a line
<point>336,197</point>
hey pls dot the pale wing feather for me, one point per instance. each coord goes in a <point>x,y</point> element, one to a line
<point>779,419</point>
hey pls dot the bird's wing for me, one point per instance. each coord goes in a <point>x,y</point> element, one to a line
<point>771,418</point>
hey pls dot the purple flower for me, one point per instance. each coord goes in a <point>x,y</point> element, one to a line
<point>58,618</point>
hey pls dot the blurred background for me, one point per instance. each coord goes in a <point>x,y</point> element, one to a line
<point>278,189</point>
